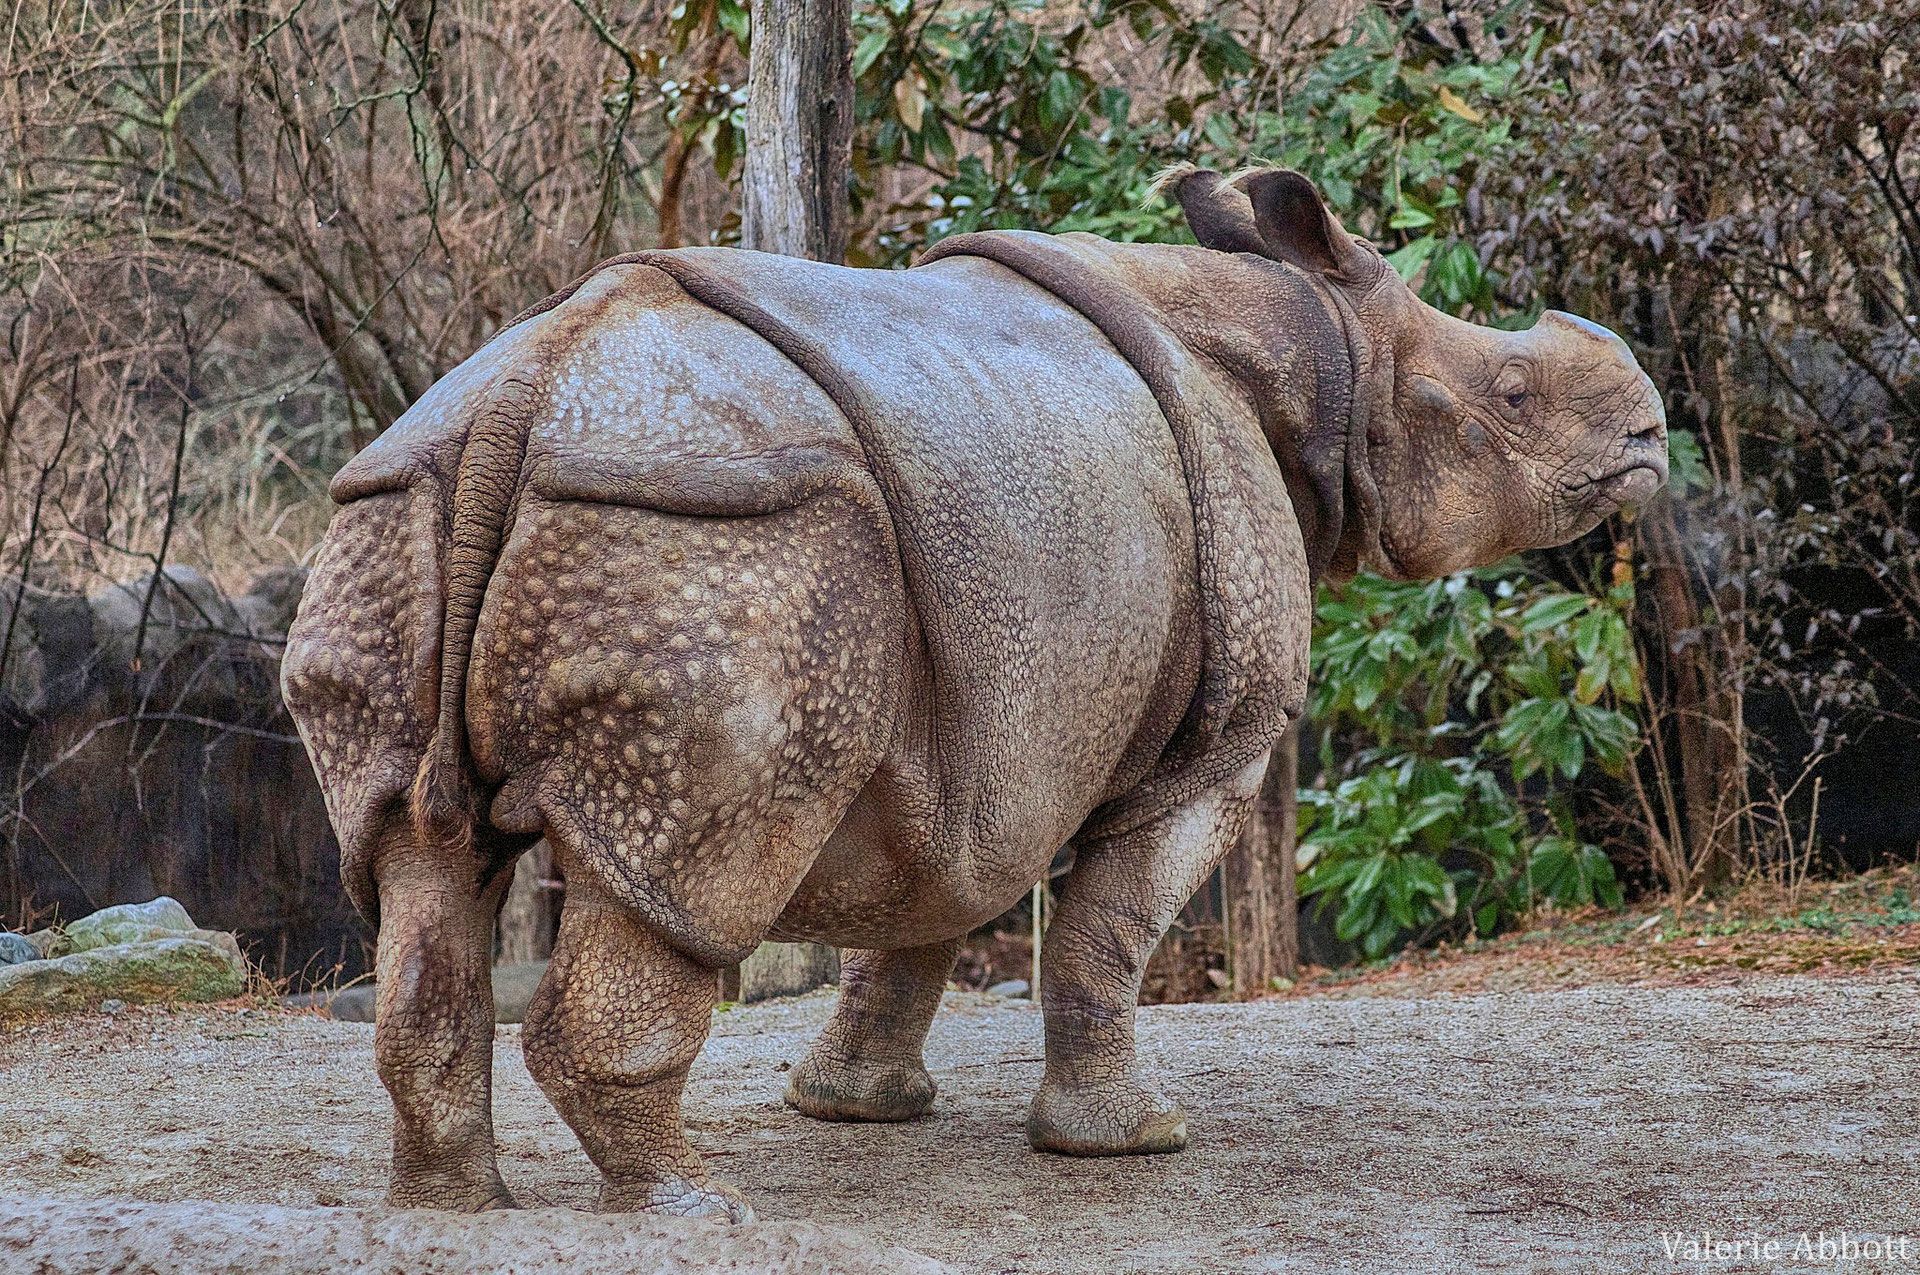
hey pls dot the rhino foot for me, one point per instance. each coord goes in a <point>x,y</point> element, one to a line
<point>462,1195</point>
<point>830,1088</point>
<point>677,1197</point>
<point>1122,1119</point>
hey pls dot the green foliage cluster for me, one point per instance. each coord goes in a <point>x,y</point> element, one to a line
<point>1396,132</point>
<point>1474,702</point>
<point>1051,145</point>
<point>1398,135</point>
<point>1007,114</point>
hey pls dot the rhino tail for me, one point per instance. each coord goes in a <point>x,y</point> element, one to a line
<point>444,801</point>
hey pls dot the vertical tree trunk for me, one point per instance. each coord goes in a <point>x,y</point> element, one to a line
<point>798,164</point>
<point>526,925</point>
<point>799,129</point>
<point>1263,901</point>
<point>1704,686</point>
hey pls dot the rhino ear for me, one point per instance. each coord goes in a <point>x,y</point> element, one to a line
<point>1219,214</point>
<point>1295,225</point>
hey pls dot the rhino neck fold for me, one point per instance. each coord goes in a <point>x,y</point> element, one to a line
<point>1370,390</point>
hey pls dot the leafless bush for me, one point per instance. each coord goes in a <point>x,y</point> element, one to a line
<point>1737,186</point>
<point>284,219</point>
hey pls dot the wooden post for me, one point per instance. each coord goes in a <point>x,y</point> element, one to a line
<point>1262,912</point>
<point>526,925</point>
<point>1039,926</point>
<point>799,161</point>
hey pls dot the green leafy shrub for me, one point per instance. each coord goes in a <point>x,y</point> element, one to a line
<point>1399,133</point>
<point>1005,110</point>
<point>1476,700</point>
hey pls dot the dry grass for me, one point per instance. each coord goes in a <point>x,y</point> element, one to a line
<point>1865,923</point>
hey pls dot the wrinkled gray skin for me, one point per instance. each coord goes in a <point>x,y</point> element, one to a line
<point>791,600</point>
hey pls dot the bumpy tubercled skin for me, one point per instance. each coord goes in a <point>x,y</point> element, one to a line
<point>433,1039</point>
<point>796,601</point>
<point>609,1036</point>
<point>1123,893</point>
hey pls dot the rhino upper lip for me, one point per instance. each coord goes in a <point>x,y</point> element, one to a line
<point>1613,477</point>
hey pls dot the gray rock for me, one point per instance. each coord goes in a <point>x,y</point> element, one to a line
<point>267,607</point>
<point>51,942</point>
<point>513,987</point>
<point>84,1237</point>
<point>179,610</point>
<point>1012,987</point>
<point>17,949</point>
<point>200,965</point>
<point>347,1004</point>
<point>129,923</point>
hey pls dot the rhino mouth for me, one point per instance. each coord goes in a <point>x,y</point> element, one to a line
<point>1632,483</point>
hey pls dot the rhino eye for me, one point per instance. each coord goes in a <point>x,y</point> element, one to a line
<point>1517,399</point>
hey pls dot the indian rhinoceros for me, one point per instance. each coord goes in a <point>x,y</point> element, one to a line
<point>792,600</point>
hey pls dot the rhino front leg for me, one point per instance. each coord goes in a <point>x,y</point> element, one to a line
<point>610,1035</point>
<point>433,1030</point>
<point>1121,896</point>
<point>867,1064</point>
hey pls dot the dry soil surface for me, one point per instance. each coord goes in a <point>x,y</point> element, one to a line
<point>1566,1131</point>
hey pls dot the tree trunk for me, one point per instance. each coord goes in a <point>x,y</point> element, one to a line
<point>526,925</point>
<point>799,161</point>
<point>799,129</point>
<point>781,969</point>
<point>1704,689</point>
<point>1263,900</point>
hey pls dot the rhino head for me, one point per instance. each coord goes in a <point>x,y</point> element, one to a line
<point>1478,442</point>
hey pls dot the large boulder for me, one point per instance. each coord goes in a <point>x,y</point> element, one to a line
<point>129,923</point>
<point>82,1237</point>
<point>198,965</point>
<point>16,949</point>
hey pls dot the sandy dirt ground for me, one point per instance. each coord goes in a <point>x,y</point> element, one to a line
<point>1565,1131</point>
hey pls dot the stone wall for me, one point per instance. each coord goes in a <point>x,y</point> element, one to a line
<point>144,751</point>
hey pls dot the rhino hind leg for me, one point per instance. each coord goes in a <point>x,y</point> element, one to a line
<point>609,1036</point>
<point>360,668</point>
<point>1121,896</point>
<point>433,1034</point>
<point>684,707</point>
<point>867,1064</point>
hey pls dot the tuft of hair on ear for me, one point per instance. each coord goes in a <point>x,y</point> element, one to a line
<point>1168,180</point>
<point>1220,216</point>
<point>1238,177</point>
